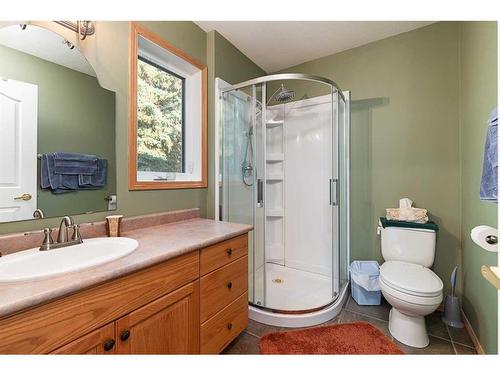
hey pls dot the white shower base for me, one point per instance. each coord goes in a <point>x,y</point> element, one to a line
<point>299,290</point>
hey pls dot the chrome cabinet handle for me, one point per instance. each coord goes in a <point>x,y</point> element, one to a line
<point>24,197</point>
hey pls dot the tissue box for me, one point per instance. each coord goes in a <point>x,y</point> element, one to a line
<point>418,215</point>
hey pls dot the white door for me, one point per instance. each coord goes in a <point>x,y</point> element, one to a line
<point>18,149</point>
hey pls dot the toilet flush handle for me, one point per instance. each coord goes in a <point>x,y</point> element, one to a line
<point>379,230</point>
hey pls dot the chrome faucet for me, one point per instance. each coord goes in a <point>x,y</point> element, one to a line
<point>62,236</point>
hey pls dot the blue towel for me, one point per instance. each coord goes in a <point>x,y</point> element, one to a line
<point>488,190</point>
<point>96,180</point>
<point>60,183</point>
<point>74,164</point>
<point>68,182</point>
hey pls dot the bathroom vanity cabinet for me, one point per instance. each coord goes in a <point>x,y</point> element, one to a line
<point>168,325</point>
<point>223,294</point>
<point>193,303</point>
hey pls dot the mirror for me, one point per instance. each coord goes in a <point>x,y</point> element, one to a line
<point>57,129</point>
<point>167,139</point>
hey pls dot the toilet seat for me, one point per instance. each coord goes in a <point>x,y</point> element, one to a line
<point>407,298</point>
<point>411,280</point>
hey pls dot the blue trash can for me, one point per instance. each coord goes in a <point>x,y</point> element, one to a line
<point>365,289</point>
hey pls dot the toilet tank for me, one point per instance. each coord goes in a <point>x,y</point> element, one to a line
<point>413,245</point>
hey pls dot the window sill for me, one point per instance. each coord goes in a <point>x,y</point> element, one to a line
<point>162,185</point>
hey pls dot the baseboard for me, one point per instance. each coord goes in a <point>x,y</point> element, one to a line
<point>468,328</point>
<point>472,334</point>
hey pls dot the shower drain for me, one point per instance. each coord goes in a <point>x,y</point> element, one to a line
<point>278,281</point>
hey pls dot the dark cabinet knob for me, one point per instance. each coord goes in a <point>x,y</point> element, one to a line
<point>108,345</point>
<point>125,335</point>
<point>229,326</point>
<point>229,285</point>
<point>229,252</point>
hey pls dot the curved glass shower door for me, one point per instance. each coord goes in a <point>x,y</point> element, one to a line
<point>281,169</point>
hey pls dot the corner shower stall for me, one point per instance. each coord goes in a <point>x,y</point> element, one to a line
<point>283,167</point>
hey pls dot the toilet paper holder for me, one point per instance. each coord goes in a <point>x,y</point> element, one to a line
<point>492,239</point>
<point>486,237</point>
<point>483,236</point>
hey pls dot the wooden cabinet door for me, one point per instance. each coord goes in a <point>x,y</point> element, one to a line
<point>168,325</point>
<point>100,341</point>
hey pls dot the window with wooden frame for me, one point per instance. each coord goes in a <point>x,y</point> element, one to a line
<point>168,115</point>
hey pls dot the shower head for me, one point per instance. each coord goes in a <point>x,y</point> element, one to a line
<point>282,94</point>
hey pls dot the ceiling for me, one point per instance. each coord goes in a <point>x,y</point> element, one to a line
<point>275,45</point>
<point>44,44</point>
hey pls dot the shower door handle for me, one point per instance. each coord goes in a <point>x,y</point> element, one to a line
<point>260,192</point>
<point>334,192</point>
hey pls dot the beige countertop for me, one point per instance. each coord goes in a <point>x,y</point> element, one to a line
<point>156,244</point>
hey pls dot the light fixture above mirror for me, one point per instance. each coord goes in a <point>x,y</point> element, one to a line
<point>82,28</point>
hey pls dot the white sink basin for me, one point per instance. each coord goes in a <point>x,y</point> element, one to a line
<point>35,264</point>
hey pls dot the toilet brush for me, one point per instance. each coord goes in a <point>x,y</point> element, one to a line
<point>453,281</point>
<point>452,316</point>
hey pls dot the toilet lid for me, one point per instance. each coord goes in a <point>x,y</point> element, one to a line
<point>411,278</point>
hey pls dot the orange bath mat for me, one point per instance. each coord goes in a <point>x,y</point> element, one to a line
<point>348,338</point>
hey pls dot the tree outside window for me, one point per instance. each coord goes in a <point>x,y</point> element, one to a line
<point>160,118</point>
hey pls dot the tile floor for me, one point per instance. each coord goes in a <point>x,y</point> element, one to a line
<point>443,339</point>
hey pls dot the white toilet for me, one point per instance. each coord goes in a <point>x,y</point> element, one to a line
<point>407,283</point>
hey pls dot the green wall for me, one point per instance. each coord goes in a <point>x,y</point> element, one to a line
<point>404,132</point>
<point>231,65</point>
<point>478,96</point>
<point>84,123</point>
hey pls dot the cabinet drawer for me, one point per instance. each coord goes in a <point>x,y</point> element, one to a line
<point>219,331</point>
<point>223,286</point>
<point>220,254</point>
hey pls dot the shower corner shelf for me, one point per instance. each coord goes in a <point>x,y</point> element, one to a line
<point>274,123</point>
<point>274,177</point>
<point>275,158</point>
<point>275,213</point>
